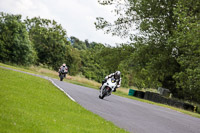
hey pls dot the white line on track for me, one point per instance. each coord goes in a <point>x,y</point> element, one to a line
<point>62,90</point>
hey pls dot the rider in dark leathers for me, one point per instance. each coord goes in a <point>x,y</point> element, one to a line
<point>63,68</point>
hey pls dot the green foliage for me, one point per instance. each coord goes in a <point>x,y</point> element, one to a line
<point>153,66</point>
<point>115,58</point>
<point>15,45</point>
<point>49,40</point>
<point>150,17</point>
<point>78,44</point>
<point>187,50</point>
<point>91,66</point>
<point>99,61</point>
<point>73,60</point>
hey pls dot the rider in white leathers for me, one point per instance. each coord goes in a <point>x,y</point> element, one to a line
<point>117,77</point>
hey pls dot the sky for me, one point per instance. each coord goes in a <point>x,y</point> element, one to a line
<point>77,17</point>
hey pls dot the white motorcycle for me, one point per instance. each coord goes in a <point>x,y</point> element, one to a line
<point>107,88</point>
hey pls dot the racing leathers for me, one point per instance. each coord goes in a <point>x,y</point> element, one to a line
<point>64,70</point>
<point>112,75</point>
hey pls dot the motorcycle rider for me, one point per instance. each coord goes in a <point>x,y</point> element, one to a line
<point>63,69</point>
<point>116,76</point>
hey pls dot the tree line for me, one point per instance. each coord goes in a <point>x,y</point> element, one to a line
<point>164,54</point>
<point>39,41</point>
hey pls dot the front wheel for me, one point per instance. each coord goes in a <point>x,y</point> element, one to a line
<point>100,97</point>
<point>61,77</point>
<point>104,93</point>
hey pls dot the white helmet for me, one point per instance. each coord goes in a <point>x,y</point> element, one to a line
<point>64,65</point>
<point>117,74</point>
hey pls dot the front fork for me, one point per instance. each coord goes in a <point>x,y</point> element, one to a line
<point>107,90</point>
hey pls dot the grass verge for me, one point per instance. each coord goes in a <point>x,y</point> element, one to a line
<point>33,104</point>
<point>163,105</point>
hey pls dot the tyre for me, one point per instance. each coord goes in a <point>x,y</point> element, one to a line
<point>104,93</point>
<point>61,77</point>
<point>101,97</point>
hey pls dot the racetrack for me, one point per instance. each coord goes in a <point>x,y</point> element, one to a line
<point>132,115</point>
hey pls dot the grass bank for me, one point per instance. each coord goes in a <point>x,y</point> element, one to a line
<point>33,104</point>
<point>163,105</point>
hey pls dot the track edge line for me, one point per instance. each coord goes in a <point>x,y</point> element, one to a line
<point>62,90</point>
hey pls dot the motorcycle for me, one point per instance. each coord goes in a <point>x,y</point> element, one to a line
<point>62,74</point>
<point>107,88</point>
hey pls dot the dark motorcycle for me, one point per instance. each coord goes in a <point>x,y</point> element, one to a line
<point>62,74</point>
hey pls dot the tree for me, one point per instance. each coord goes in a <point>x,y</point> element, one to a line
<point>91,62</point>
<point>15,46</point>
<point>149,17</point>
<point>78,44</point>
<point>50,41</point>
<point>73,60</point>
<point>187,49</point>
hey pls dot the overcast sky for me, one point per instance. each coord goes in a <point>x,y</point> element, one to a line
<point>76,16</point>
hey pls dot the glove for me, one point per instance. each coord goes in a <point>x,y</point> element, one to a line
<point>104,81</point>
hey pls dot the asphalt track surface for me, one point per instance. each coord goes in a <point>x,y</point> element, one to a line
<point>134,116</point>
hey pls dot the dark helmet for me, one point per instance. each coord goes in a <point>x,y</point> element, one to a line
<point>117,74</point>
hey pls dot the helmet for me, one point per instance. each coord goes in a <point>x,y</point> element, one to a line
<point>117,74</point>
<point>64,65</point>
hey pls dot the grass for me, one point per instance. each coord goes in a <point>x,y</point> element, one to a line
<point>33,104</point>
<point>93,84</point>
